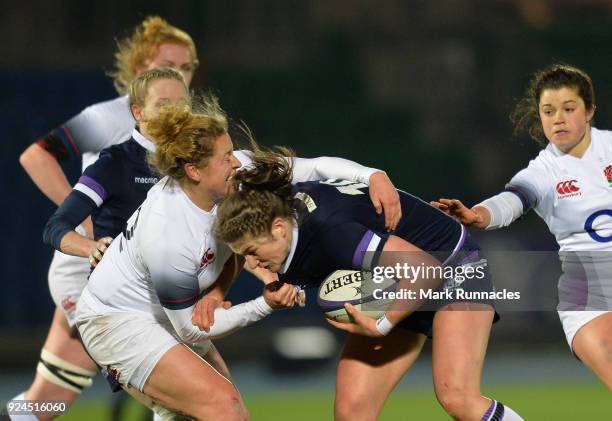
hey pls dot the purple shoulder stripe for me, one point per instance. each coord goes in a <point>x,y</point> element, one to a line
<point>94,185</point>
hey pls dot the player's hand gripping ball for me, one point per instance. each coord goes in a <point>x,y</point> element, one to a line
<point>355,287</point>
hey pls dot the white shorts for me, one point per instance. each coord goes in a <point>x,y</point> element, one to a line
<point>127,345</point>
<point>67,277</point>
<point>572,321</point>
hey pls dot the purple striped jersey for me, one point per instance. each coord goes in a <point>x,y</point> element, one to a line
<point>117,183</point>
<point>340,229</point>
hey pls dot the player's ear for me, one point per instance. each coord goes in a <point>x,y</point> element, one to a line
<point>136,112</point>
<point>141,69</point>
<point>279,227</point>
<point>192,171</point>
<point>590,114</point>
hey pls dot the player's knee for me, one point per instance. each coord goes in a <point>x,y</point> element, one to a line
<point>351,407</point>
<point>596,352</point>
<point>225,406</point>
<point>455,400</point>
<point>454,405</point>
<point>60,372</point>
<point>244,411</point>
<point>342,409</point>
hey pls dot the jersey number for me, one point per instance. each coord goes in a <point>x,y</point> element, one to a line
<point>345,186</point>
<point>128,232</point>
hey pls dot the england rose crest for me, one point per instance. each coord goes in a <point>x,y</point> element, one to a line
<point>608,174</point>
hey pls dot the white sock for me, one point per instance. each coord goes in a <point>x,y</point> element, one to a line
<point>500,412</point>
<point>22,416</point>
<point>157,417</point>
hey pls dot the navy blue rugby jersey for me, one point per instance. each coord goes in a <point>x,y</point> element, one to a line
<point>118,183</point>
<point>109,190</point>
<point>340,229</point>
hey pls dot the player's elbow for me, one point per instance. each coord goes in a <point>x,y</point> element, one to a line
<point>184,336</point>
<point>46,237</point>
<point>53,232</point>
<point>189,335</point>
<point>32,156</point>
<point>26,157</point>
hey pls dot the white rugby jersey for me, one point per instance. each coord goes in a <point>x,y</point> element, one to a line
<point>168,252</point>
<point>168,255</point>
<point>572,195</point>
<point>99,126</point>
<point>162,262</point>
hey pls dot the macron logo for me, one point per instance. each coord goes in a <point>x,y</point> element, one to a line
<point>568,188</point>
<point>145,180</point>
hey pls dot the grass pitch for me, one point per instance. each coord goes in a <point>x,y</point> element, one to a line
<point>534,402</point>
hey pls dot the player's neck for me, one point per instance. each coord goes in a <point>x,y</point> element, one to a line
<point>580,148</point>
<point>200,198</point>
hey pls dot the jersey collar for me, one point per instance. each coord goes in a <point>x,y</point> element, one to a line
<point>294,241</point>
<point>558,153</point>
<point>143,141</point>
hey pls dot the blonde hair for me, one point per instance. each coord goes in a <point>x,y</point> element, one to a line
<point>185,134</point>
<point>264,192</point>
<point>136,51</point>
<point>139,86</point>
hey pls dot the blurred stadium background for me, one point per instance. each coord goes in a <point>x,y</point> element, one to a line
<point>419,88</point>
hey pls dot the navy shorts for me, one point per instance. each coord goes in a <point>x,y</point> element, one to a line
<point>473,289</point>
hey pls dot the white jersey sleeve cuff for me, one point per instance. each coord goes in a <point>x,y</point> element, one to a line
<point>226,321</point>
<point>504,208</point>
<point>262,306</point>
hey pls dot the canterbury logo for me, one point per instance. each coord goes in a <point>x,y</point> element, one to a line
<point>567,187</point>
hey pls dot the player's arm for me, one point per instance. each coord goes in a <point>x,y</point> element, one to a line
<point>322,168</point>
<point>383,193</point>
<point>61,228</point>
<point>477,217</point>
<point>495,212</point>
<point>230,271</point>
<point>176,284</point>
<point>277,295</point>
<point>396,251</point>
<point>59,231</point>
<point>521,194</point>
<point>354,245</point>
<point>45,171</point>
<point>229,320</point>
<point>204,311</point>
<point>41,160</point>
<point>95,186</point>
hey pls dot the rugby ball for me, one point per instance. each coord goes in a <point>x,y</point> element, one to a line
<point>355,287</point>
